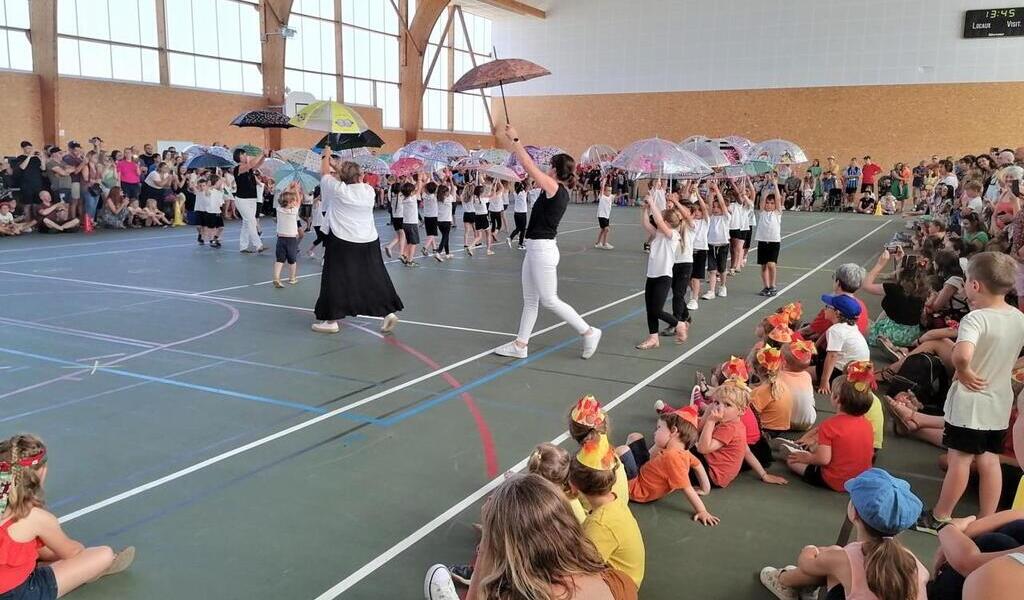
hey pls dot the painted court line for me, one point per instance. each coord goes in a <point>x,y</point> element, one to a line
<point>319,418</point>
<point>388,555</point>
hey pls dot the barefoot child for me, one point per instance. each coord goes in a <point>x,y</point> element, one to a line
<point>978,405</point>
<point>39,561</point>
<point>668,466</point>
<point>287,249</point>
<point>8,226</point>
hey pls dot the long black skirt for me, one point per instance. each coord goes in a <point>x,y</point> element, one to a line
<point>354,282</point>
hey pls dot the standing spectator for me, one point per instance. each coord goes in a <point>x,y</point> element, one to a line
<point>75,165</point>
<point>149,157</point>
<point>918,180</point>
<point>28,176</point>
<point>851,183</point>
<point>130,174</point>
<point>869,176</point>
<point>92,191</point>
<point>59,175</point>
<point>814,171</point>
<point>946,175</point>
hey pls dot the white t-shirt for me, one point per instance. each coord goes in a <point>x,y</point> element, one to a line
<point>737,215</point>
<point>663,254</point>
<point>468,204</point>
<point>718,229</point>
<point>951,180</point>
<point>685,254</point>
<point>769,226</point>
<point>429,206</point>
<point>318,213</point>
<point>751,217</point>
<point>998,336</point>
<point>410,210</point>
<point>519,205</point>
<point>444,209</point>
<point>349,210</point>
<point>7,218</point>
<point>480,205</point>
<point>660,199</point>
<point>700,234</point>
<point>209,201</point>
<point>531,198</point>
<point>977,205</point>
<point>848,342</point>
<point>604,207</point>
<point>287,221</point>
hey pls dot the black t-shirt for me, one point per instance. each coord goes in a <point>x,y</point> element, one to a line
<point>245,184</point>
<point>149,159</point>
<point>32,175</point>
<point>899,307</point>
<point>547,214</point>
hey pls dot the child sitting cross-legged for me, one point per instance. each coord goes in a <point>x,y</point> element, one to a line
<point>668,465</point>
<point>585,420</point>
<point>843,446</point>
<point>877,565</point>
<point>772,399</point>
<point>796,358</point>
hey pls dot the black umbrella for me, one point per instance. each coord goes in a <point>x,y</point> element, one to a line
<point>263,119</point>
<point>348,141</point>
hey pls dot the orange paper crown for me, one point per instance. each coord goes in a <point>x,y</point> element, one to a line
<point>1018,375</point>
<point>803,350</point>
<point>861,373</point>
<point>588,412</point>
<point>769,358</point>
<point>778,319</point>
<point>597,453</point>
<point>793,310</point>
<point>782,334</point>
<point>688,414</point>
<point>735,368</point>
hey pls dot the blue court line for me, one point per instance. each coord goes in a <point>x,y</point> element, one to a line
<point>172,382</point>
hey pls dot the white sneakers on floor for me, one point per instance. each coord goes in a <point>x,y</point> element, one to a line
<point>325,327</point>
<point>590,343</point>
<point>439,585</point>
<point>389,323</point>
<point>512,350</point>
<point>708,295</point>
<point>692,304</point>
<point>722,292</point>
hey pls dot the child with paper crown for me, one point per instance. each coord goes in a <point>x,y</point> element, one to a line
<point>552,463</point>
<point>586,420</point>
<point>668,465</point>
<point>610,524</point>
<point>796,358</point>
<point>772,399</point>
<point>844,444</point>
<point>722,443</point>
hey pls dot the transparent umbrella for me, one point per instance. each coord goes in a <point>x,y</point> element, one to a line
<point>777,152</point>
<point>656,157</point>
<point>372,164</point>
<point>709,151</point>
<point>597,154</point>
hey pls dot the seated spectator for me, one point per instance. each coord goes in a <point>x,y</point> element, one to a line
<point>974,233</point>
<point>848,279</point>
<point>902,300</point>
<point>8,224</point>
<point>843,343</point>
<point>53,217</point>
<point>967,545</point>
<point>114,212</point>
<point>875,566</point>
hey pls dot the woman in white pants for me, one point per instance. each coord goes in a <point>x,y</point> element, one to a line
<point>246,199</point>
<point>540,266</point>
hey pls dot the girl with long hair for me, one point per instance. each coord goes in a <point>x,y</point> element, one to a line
<point>246,198</point>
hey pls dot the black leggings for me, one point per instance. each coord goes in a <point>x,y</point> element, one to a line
<point>655,294</point>
<point>681,283</point>
<point>446,230</point>
<point>520,219</point>
<point>949,585</point>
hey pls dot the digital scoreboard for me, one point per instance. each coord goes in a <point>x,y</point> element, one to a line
<point>994,22</point>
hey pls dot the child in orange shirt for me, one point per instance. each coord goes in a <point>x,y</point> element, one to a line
<point>771,399</point>
<point>655,473</point>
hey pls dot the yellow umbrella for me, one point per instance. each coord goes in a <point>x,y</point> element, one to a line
<point>329,116</point>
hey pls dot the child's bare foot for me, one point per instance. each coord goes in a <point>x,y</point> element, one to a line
<point>682,331</point>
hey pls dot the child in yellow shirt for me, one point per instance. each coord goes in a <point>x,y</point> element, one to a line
<point>586,419</point>
<point>552,463</point>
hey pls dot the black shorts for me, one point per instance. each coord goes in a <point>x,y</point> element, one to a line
<point>813,476</point>
<point>131,190</point>
<point>851,190</point>
<point>468,217</point>
<point>768,252</point>
<point>867,187</point>
<point>700,264</point>
<point>396,224</point>
<point>210,220</point>
<point>495,220</point>
<point>430,224</point>
<point>747,235</point>
<point>973,441</point>
<point>704,463</point>
<point>412,234</point>
<point>287,250</point>
<point>305,211</point>
<point>718,258</point>
<point>602,222</point>
<point>481,222</point>
<point>735,234</point>
<point>637,457</point>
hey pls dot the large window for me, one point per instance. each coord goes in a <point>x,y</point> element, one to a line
<point>311,56</point>
<point>214,44</point>
<point>15,49</point>
<point>443,109</point>
<point>108,39</point>
<point>370,33</point>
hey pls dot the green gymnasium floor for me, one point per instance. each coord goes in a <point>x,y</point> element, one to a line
<point>190,411</point>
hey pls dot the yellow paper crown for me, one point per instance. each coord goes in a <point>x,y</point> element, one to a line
<point>597,453</point>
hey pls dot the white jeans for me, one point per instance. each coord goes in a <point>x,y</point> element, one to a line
<point>540,287</point>
<point>250,239</point>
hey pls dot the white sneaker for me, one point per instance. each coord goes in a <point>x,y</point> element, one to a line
<point>599,246</point>
<point>439,257</point>
<point>590,343</point>
<point>389,323</point>
<point>770,580</point>
<point>609,247</point>
<point>326,327</point>
<point>722,292</point>
<point>708,295</point>
<point>438,584</point>
<point>512,350</point>
<point>692,304</point>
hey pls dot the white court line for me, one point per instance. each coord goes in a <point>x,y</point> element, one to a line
<point>385,557</point>
<point>310,422</point>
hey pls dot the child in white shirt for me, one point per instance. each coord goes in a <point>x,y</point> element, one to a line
<point>604,214</point>
<point>288,235</point>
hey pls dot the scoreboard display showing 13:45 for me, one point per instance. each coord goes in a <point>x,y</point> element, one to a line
<point>994,22</point>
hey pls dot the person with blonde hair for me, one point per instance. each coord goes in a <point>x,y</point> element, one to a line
<point>533,547</point>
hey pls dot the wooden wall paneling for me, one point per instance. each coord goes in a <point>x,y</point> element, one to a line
<point>273,16</point>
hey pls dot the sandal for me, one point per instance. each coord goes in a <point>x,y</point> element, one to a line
<point>902,426</point>
<point>897,352</point>
<point>886,374</point>
<point>647,345</point>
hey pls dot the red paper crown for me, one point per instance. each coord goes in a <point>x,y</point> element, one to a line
<point>782,334</point>
<point>588,412</point>
<point>778,319</point>
<point>688,414</point>
<point>793,310</point>
<point>26,461</point>
<point>735,368</point>
<point>803,350</point>
<point>769,358</point>
<point>861,373</point>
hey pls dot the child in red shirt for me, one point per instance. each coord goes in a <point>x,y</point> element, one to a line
<point>722,444</point>
<point>655,473</point>
<point>845,442</point>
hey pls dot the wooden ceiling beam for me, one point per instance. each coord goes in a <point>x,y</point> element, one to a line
<point>520,8</point>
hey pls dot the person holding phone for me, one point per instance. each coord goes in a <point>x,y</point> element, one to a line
<point>28,176</point>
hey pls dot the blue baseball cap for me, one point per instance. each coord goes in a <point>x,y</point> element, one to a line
<point>884,502</point>
<point>846,305</point>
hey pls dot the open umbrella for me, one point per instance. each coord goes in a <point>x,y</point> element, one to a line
<point>709,152</point>
<point>496,74</point>
<point>270,165</point>
<point>500,172</point>
<point>778,152</point>
<point>300,157</point>
<point>597,154</point>
<point>469,163</point>
<point>249,149</point>
<point>329,116</point>
<point>655,157</point>
<point>541,156</point>
<point>406,166</point>
<point>290,173</point>
<point>372,164</point>
<point>209,157</point>
<point>263,119</point>
<point>348,141</point>
<point>495,156</point>
<point>450,149</point>
<point>352,153</point>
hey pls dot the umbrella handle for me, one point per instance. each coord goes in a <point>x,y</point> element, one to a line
<point>504,104</point>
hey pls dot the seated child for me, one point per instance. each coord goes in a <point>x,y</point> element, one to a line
<point>37,559</point>
<point>771,399</point>
<point>610,524</point>
<point>877,565</point>
<point>844,444</point>
<point>137,216</point>
<point>552,463</point>
<point>843,341</point>
<point>585,419</point>
<point>8,226</point>
<point>668,466</point>
<point>154,216</point>
<point>796,358</point>
<point>722,444</point>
